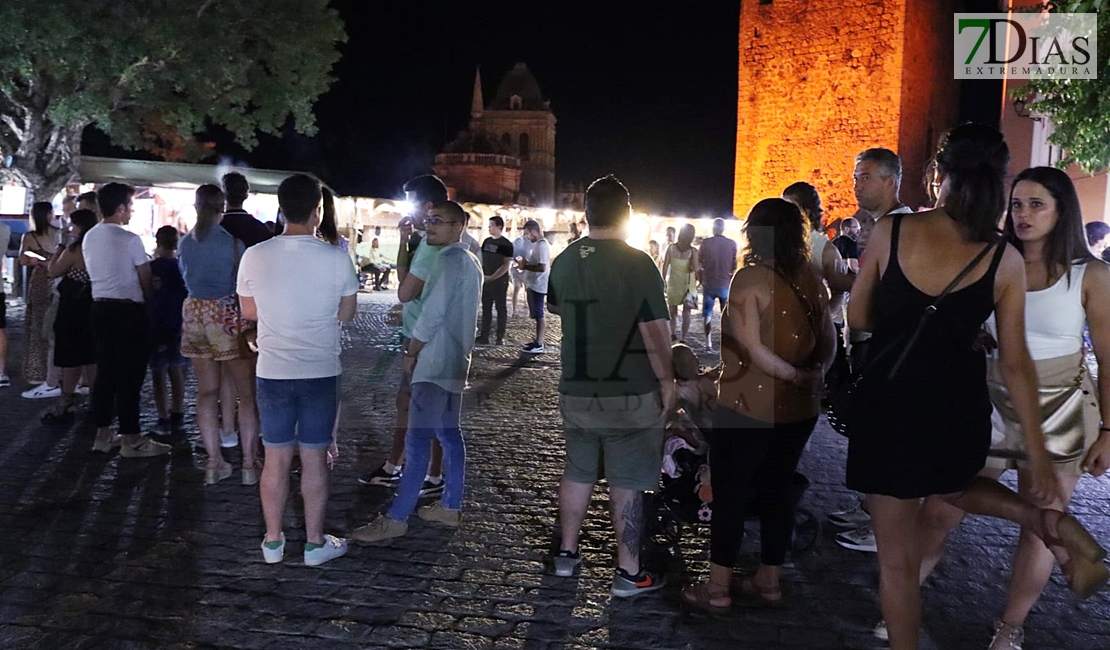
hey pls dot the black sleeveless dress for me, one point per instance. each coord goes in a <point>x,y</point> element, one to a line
<point>927,430</point>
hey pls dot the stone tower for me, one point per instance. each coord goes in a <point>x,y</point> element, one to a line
<point>522,123</point>
<point>822,80</point>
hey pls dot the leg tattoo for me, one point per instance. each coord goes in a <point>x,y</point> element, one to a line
<point>633,518</point>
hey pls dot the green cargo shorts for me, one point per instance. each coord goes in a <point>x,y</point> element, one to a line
<point>616,438</point>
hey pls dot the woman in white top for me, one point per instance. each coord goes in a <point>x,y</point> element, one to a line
<point>1067,289</point>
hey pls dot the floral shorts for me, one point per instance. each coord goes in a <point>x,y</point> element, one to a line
<point>211,329</point>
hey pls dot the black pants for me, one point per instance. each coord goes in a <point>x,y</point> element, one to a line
<point>752,466</point>
<point>841,370</point>
<point>120,330</point>
<point>380,273</point>
<point>493,295</point>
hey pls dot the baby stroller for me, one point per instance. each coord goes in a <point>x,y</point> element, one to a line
<point>684,497</point>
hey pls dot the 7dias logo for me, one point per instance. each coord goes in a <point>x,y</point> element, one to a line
<point>1025,46</point>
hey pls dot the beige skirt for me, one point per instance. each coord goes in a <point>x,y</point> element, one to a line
<point>1070,415</point>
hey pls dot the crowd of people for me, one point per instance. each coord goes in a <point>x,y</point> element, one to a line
<point>951,339</point>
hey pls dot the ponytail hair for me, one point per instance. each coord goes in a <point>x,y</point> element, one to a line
<point>974,158</point>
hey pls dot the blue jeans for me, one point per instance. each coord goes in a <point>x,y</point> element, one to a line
<point>433,413</point>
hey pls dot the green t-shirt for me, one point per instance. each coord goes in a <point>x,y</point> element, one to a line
<point>424,265</point>
<point>604,289</point>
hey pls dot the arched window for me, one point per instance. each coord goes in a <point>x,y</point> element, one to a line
<point>515,103</point>
<point>507,142</point>
<point>524,146</point>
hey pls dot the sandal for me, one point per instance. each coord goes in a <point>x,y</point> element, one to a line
<point>1007,637</point>
<point>59,414</point>
<point>762,596</point>
<point>700,596</point>
<point>1084,570</point>
<point>214,475</point>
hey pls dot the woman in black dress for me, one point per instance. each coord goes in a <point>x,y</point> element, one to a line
<point>74,347</point>
<point>926,431</point>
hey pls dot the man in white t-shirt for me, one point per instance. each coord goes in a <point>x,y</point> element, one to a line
<point>119,271</point>
<point>536,265</point>
<point>297,288</point>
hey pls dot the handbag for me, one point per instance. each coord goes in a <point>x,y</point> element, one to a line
<point>842,402</point>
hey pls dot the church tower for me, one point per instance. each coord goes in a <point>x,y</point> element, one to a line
<point>521,121</point>
<point>822,80</point>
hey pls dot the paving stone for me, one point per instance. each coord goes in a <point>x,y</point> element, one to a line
<point>102,552</point>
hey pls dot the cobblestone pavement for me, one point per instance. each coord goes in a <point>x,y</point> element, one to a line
<point>99,551</point>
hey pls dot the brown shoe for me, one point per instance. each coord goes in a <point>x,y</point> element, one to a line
<point>438,514</point>
<point>145,448</point>
<point>380,529</point>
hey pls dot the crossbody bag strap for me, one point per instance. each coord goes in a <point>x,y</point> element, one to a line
<point>932,308</point>
<point>811,312</point>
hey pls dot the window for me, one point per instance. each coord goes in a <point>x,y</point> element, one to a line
<point>515,102</point>
<point>765,2</point>
<point>507,142</point>
<point>524,146</point>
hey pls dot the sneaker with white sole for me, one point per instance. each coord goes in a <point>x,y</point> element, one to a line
<point>852,517</point>
<point>83,390</point>
<point>431,489</point>
<point>228,439</point>
<point>381,477</point>
<point>438,514</point>
<point>42,391</point>
<point>5,381</point>
<point>860,539</point>
<point>380,529</point>
<point>881,632</point>
<point>566,563</point>
<point>105,443</point>
<point>273,555</point>
<point>630,586</point>
<point>534,348</point>
<point>332,548</point>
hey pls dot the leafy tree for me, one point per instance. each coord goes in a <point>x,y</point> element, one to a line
<point>147,71</point>
<point>1079,108</point>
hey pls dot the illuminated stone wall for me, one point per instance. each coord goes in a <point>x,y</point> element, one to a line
<point>822,80</point>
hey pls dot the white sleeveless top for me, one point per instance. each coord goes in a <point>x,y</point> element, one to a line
<point>817,243</point>
<point>1054,317</point>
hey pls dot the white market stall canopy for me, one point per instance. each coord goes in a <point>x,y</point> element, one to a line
<point>95,169</point>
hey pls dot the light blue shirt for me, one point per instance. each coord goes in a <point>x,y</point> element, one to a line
<point>448,319</point>
<point>209,266</point>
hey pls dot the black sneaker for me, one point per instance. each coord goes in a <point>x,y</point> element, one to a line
<point>628,586</point>
<point>431,488</point>
<point>537,348</point>
<point>481,340</point>
<point>381,477</point>
<point>500,341</point>
<point>566,563</point>
<point>162,427</point>
<point>528,347</point>
<point>177,422</point>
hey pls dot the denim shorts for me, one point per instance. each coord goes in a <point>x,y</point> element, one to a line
<point>298,412</point>
<point>708,296</point>
<point>535,304</point>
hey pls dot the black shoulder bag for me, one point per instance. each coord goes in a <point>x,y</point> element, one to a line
<point>842,403</point>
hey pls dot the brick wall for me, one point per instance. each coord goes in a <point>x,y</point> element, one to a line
<point>821,80</point>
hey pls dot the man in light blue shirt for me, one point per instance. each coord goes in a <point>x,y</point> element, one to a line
<point>438,356</point>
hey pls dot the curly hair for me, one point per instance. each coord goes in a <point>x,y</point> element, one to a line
<point>777,234</point>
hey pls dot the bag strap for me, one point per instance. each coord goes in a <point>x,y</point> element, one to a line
<point>932,308</point>
<point>811,315</point>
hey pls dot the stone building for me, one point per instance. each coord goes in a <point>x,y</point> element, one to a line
<point>821,80</point>
<point>507,153</point>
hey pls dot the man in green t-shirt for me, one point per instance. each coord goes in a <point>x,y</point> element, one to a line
<point>416,263</point>
<point>617,381</point>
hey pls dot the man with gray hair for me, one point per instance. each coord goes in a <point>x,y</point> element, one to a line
<point>716,264</point>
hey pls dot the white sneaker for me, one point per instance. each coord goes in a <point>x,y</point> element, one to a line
<point>273,555</point>
<point>43,391</point>
<point>860,539</point>
<point>333,547</point>
<point>5,381</point>
<point>852,517</point>
<point>229,439</point>
<point>880,631</point>
<point>83,390</point>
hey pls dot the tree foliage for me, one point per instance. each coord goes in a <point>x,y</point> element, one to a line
<point>152,69</point>
<point>1079,108</point>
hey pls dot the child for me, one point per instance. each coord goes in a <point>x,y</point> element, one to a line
<point>696,390</point>
<point>165,328</point>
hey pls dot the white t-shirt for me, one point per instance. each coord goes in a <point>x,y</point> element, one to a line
<point>296,282</point>
<point>111,255</point>
<point>539,253</point>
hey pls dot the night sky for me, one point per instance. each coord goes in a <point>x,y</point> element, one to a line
<point>648,94</point>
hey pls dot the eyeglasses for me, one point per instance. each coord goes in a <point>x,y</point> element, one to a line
<point>435,221</point>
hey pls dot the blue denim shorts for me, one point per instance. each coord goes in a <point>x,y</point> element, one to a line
<point>707,298</point>
<point>298,412</point>
<point>535,304</point>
